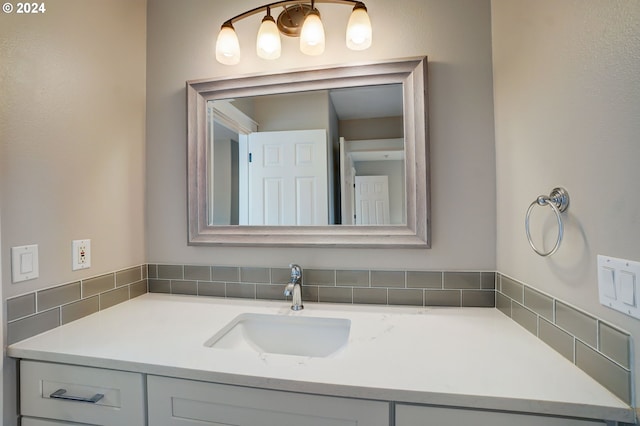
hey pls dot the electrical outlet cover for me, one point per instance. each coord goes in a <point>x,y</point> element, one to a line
<point>81,253</point>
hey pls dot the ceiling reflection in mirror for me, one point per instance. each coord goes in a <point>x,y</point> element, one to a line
<point>312,158</point>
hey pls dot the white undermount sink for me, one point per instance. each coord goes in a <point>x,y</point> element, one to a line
<point>283,334</point>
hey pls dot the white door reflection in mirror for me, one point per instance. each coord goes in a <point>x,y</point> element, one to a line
<point>372,200</point>
<point>287,178</point>
<point>373,157</point>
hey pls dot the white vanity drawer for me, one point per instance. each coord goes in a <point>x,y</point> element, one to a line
<point>30,421</point>
<point>122,401</point>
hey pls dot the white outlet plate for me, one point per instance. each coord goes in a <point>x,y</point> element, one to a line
<point>618,284</point>
<point>81,254</point>
<point>24,263</point>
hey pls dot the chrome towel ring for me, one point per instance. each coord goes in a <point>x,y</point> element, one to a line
<point>558,200</point>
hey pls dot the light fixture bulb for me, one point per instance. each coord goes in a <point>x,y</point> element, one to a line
<point>359,28</point>
<point>227,45</point>
<point>268,41</point>
<point>312,34</point>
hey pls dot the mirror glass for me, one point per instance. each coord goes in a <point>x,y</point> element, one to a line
<point>316,158</point>
<point>322,157</point>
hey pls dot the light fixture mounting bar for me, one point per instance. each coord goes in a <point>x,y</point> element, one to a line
<point>285,3</point>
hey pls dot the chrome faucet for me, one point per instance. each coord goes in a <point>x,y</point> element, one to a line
<point>294,287</point>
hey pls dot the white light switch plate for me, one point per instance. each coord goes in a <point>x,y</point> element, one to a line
<point>24,263</point>
<point>618,284</point>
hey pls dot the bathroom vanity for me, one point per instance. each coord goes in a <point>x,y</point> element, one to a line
<point>182,360</point>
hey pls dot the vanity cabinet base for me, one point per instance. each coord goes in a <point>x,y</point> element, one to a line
<point>177,402</point>
<point>95,396</point>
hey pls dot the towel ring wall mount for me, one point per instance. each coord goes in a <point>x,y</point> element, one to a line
<point>558,200</point>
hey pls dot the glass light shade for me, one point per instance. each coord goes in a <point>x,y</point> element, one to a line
<point>359,29</point>
<point>312,35</point>
<point>268,42</point>
<point>227,46</point>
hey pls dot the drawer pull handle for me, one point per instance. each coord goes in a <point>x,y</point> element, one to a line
<point>62,394</point>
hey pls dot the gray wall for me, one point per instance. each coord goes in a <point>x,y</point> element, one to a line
<point>72,147</point>
<point>567,113</point>
<point>456,35</point>
<point>73,137</point>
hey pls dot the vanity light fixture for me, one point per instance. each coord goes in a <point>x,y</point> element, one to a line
<point>297,19</point>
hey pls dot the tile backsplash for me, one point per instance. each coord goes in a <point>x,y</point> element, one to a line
<point>596,347</point>
<point>33,313</point>
<point>600,349</point>
<point>400,287</point>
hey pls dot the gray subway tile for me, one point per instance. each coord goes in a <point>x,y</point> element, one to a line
<point>319,276</point>
<point>128,276</point>
<point>503,303</point>
<point>184,287</point>
<point>558,339</point>
<point>478,298</point>
<point>138,289</point>
<point>215,289</point>
<point>241,290</point>
<point>538,303</point>
<point>335,294</point>
<point>280,275</point>
<point>395,279</point>
<point>152,271</point>
<point>355,278</point>
<point>159,286</point>
<point>513,289</point>
<point>114,297</point>
<point>170,272</point>
<point>310,293</point>
<point>255,275</point>
<point>93,286</point>
<point>80,309</point>
<point>581,325</point>
<point>410,296</point>
<point>270,292</point>
<point>225,273</point>
<point>615,344</point>
<point>30,326</point>
<point>21,306</point>
<point>526,318</point>
<point>57,296</point>
<point>377,296</point>
<point>488,280</point>
<point>443,298</point>
<point>606,372</point>
<point>197,273</point>
<point>424,279</point>
<point>462,280</point>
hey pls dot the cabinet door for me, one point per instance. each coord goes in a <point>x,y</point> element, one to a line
<point>174,402</point>
<point>413,415</point>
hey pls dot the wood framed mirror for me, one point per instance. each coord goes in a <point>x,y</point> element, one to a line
<point>217,102</point>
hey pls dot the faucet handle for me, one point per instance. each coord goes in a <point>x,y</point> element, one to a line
<point>296,270</point>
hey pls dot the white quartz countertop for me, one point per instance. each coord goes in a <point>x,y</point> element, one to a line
<point>467,357</point>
